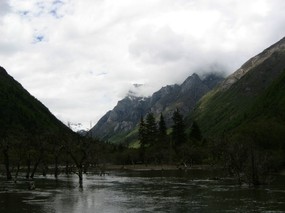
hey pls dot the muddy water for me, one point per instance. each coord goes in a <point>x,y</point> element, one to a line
<point>142,191</point>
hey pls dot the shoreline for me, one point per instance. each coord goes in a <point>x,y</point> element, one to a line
<point>154,167</point>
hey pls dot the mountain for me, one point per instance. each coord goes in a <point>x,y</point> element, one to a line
<point>251,99</point>
<point>21,113</point>
<point>122,120</point>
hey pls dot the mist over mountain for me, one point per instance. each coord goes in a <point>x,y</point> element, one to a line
<point>253,95</point>
<point>239,121</point>
<point>127,113</point>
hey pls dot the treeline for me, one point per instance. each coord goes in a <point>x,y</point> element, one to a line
<point>176,146</point>
<point>251,154</point>
<point>53,153</point>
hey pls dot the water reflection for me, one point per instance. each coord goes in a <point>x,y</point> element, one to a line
<point>142,191</point>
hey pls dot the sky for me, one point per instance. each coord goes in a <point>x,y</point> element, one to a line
<point>80,58</point>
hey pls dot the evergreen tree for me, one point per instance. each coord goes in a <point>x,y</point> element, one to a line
<point>142,138</point>
<point>162,126</point>
<point>162,148</point>
<point>142,133</point>
<point>195,132</point>
<point>178,129</point>
<point>151,129</point>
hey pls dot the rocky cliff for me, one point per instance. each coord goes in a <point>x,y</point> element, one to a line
<point>127,113</point>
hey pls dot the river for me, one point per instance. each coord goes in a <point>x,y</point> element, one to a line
<point>141,191</point>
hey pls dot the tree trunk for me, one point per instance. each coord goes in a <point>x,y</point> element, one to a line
<point>17,172</point>
<point>7,164</point>
<point>254,172</point>
<point>45,168</point>
<point>66,168</point>
<point>35,167</point>
<point>79,165</point>
<point>56,167</point>
<point>86,166</point>
<point>80,176</point>
<point>28,167</point>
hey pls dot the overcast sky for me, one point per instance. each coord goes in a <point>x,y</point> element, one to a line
<point>79,57</point>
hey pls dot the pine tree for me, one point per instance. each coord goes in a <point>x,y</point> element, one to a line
<point>163,144</point>
<point>162,126</point>
<point>142,132</point>
<point>151,129</point>
<point>178,129</point>
<point>142,138</point>
<point>195,132</point>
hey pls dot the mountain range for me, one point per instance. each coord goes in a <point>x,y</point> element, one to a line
<point>250,98</point>
<point>249,101</point>
<point>123,119</point>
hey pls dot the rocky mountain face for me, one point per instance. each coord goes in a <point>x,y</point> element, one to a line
<point>127,113</point>
<point>121,119</point>
<point>247,97</point>
<point>270,52</point>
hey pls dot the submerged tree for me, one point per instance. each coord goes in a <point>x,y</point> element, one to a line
<point>12,150</point>
<point>78,150</point>
<point>4,146</point>
<point>57,150</point>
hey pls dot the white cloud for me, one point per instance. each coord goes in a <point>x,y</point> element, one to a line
<point>80,57</point>
<point>4,7</point>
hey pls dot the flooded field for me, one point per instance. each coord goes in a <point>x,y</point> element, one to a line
<point>142,191</point>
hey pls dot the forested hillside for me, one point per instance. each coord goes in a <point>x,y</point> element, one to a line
<point>21,112</point>
<point>243,96</point>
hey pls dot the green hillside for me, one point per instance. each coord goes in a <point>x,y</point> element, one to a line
<point>256,96</point>
<point>244,118</point>
<point>266,117</point>
<point>29,133</point>
<point>32,139</point>
<point>21,112</point>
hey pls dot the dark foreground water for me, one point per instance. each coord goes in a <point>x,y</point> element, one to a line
<point>141,191</point>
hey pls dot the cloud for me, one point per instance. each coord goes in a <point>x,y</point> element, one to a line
<point>80,57</point>
<point>4,7</point>
<point>158,46</point>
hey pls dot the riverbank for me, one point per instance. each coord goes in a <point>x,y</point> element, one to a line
<point>155,167</point>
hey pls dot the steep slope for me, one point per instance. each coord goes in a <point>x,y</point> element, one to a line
<point>119,122</point>
<point>253,62</point>
<point>121,119</point>
<point>244,96</point>
<point>22,113</point>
